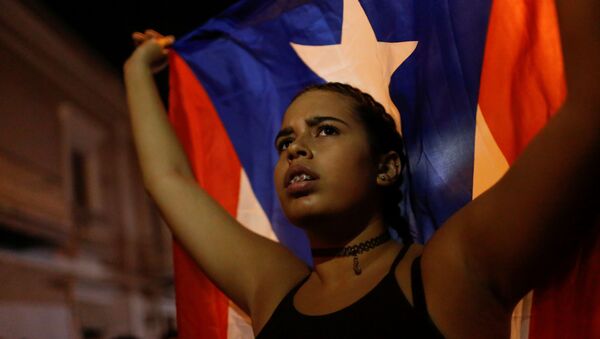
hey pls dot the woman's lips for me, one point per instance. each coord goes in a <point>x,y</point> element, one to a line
<point>300,188</point>
<point>297,169</point>
<point>306,177</point>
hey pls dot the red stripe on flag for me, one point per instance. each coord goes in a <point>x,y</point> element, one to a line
<point>522,85</point>
<point>569,307</point>
<point>522,81</point>
<point>201,307</point>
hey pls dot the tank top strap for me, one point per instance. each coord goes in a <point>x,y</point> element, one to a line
<point>419,302</point>
<point>417,286</point>
<point>399,257</point>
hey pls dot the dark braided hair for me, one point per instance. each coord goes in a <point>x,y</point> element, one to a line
<point>383,137</point>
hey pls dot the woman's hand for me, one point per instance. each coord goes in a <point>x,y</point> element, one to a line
<point>152,49</point>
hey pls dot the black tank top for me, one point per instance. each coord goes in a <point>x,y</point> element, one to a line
<point>384,312</point>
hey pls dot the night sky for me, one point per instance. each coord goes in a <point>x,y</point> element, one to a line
<point>106,26</point>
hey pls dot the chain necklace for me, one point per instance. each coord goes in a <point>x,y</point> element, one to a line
<point>353,250</point>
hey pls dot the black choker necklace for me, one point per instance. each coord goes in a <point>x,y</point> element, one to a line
<point>353,250</point>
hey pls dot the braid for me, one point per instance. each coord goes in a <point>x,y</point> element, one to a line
<point>383,137</point>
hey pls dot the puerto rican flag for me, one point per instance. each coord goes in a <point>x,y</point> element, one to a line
<point>469,83</point>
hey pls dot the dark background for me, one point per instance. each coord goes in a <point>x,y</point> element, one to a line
<point>106,26</point>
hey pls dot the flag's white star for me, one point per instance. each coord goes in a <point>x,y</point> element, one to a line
<point>359,60</point>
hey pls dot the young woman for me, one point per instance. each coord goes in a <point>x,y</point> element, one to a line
<point>339,166</point>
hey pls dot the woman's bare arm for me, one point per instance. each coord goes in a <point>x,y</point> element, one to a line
<point>158,149</point>
<point>512,237</point>
<point>240,262</point>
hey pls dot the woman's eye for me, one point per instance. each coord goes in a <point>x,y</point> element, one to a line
<point>326,130</point>
<point>283,145</point>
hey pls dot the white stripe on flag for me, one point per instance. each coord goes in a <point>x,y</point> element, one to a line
<point>520,318</point>
<point>238,324</point>
<point>489,164</point>
<point>249,211</point>
<point>251,215</point>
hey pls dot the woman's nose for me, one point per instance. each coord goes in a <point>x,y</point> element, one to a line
<point>298,149</point>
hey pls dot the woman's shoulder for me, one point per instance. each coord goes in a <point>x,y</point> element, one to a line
<point>271,296</point>
<point>457,303</point>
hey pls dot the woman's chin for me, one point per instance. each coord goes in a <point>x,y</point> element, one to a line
<point>309,216</point>
<point>301,218</point>
<point>301,212</point>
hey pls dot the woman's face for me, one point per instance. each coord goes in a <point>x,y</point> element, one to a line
<point>325,166</point>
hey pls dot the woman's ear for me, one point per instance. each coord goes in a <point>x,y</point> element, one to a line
<point>389,168</point>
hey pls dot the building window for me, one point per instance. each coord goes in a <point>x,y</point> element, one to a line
<point>83,140</point>
<point>79,186</point>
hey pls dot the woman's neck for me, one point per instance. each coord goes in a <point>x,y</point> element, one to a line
<point>332,269</point>
<point>343,230</point>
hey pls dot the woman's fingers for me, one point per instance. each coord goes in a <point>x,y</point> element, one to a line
<point>167,41</point>
<point>138,38</point>
<point>152,33</point>
<point>152,49</point>
<point>163,41</point>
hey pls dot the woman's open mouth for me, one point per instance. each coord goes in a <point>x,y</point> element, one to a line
<point>299,180</point>
<point>300,185</point>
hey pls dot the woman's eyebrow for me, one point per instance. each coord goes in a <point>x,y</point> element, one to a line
<point>284,132</point>
<point>313,121</point>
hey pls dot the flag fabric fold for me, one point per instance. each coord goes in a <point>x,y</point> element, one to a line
<point>469,84</point>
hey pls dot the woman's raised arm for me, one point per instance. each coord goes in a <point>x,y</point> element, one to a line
<point>240,262</point>
<point>512,237</point>
<point>158,149</point>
